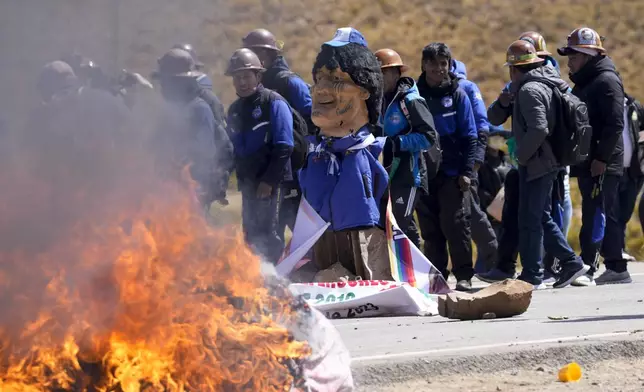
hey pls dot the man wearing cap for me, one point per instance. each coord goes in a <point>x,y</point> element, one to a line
<point>343,180</point>
<point>533,118</point>
<point>260,123</point>
<point>483,234</point>
<point>187,126</point>
<point>279,78</point>
<point>409,127</point>
<point>600,87</point>
<point>444,212</point>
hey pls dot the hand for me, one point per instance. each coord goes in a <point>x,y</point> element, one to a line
<point>597,168</point>
<point>464,182</point>
<point>477,166</point>
<point>506,98</point>
<point>264,190</point>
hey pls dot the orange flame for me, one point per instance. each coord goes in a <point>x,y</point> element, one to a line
<point>151,298</point>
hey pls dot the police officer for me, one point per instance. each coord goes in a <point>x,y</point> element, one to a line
<point>260,124</point>
<point>279,78</point>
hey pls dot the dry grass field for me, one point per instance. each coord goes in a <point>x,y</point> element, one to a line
<point>133,36</point>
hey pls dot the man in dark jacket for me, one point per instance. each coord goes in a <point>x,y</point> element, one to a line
<point>483,233</point>
<point>260,123</point>
<point>629,187</point>
<point>533,119</point>
<point>279,78</point>
<point>444,212</point>
<point>185,135</point>
<point>409,127</point>
<point>224,155</point>
<point>600,87</point>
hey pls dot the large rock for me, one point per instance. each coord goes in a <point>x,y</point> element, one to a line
<point>503,299</point>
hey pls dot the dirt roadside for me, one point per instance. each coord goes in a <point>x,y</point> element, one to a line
<point>607,376</point>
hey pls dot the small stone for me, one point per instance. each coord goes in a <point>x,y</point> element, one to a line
<point>595,383</point>
<point>640,300</point>
<point>355,329</point>
<point>541,369</point>
<point>498,389</point>
<point>414,338</point>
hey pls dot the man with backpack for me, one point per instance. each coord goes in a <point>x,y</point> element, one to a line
<point>537,92</point>
<point>409,127</point>
<point>261,126</point>
<point>279,78</point>
<point>600,87</point>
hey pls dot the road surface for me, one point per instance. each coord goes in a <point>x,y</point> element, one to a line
<point>595,315</point>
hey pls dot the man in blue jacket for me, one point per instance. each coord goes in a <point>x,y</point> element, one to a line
<point>187,123</point>
<point>342,179</point>
<point>444,213</point>
<point>260,125</point>
<point>483,233</point>
<point>279,78</point>
<point>409,127</point>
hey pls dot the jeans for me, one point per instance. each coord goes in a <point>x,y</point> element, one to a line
<point>260,222</point>
<point>628,190</point>
<point>509,237</point>
<point>537,228</point>
<point>600,228</point>
<point>567,206</point>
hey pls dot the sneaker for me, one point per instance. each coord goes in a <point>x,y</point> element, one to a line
<point>549,281</point>
<point>495,275</point>
<point>612,277</point>
<point>627,257</point>
<point>541,286</point>
<point>583,281</point>
<point>569,273</point>
<point>464,285</point>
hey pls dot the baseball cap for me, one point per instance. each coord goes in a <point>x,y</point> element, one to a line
<point>347,35</point>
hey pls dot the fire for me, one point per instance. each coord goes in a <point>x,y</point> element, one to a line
<point>139,295</point>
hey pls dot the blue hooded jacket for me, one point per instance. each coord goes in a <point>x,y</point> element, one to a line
<point>412,130</point>
<point>478,107</point>
<point>454,121</point>
<point>344,182</point>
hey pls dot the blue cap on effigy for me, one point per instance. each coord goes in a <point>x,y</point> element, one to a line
<point>347,35</point>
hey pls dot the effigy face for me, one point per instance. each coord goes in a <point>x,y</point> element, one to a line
<point>338,103</point>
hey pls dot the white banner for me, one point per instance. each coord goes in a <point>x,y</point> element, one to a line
<point>309,227</point>
<point>366,298</point>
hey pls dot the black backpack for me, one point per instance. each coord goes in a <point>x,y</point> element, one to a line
<point>300,130</point>
<point>570,139</point>
<point>430,159</point>
<point>279,84</point>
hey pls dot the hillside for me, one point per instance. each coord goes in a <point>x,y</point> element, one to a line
<point>478,31</point>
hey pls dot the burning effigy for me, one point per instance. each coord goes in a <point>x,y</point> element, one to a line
<point>112,279</point>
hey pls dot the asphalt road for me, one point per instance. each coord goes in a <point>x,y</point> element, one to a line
<point>594,315</point>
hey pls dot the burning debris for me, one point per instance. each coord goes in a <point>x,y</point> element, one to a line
<point>140,295</point>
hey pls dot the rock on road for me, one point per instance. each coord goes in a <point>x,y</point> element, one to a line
<point>593,316</point>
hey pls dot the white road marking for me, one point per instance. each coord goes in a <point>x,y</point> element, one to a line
<point>488,346</point>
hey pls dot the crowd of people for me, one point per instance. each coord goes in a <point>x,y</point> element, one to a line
<point>365,135</point>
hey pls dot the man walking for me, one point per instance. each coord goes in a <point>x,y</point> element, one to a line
<point>533,119</point>
<point>600,87</point>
